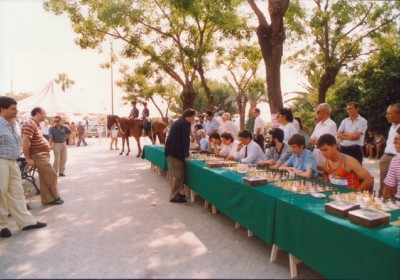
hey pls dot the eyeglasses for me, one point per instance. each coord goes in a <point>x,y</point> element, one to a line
<point>57,120</point>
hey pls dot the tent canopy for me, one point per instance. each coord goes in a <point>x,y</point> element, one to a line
<point>54,101</point>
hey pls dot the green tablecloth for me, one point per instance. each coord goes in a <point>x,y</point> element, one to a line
<point>297,223</point>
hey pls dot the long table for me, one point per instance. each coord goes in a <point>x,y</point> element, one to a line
<point>296,223</point>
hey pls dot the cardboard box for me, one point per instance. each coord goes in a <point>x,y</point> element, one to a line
<point>340,208</point>
<point>369,218</point>
<point>255,181</point>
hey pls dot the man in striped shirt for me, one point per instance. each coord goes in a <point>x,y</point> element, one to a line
<point>392,180</point>
<point>12,199</point>
<point>37,153</point>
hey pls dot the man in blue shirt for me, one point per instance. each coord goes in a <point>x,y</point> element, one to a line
<point>302,162</point>
<point>212,124</point>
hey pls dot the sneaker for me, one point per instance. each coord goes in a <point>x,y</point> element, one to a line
<point>5,233</point>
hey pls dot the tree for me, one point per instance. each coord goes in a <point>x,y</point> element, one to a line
<point>342,32</point>
<point>65,82</point>
<point>18,96</point>
<point>271,37</point>
<point>173,36</point>
<point>242,64</point>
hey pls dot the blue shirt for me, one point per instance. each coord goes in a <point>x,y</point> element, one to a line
<point>58,134</point>
<point>210,126</point>
<point>303,162</point>
<point>10,140</point>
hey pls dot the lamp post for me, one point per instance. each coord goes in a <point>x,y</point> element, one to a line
<point>112,78</point>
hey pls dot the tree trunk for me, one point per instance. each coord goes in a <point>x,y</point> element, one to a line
<point>188,94</point>
<point>209,94</point>
<point>328,79</point>
<point>241,102</point>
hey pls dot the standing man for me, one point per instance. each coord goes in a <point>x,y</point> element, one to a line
<point>81,134</point>
<point>340,169</point>
<point>212,124</point>
<point>259,128</point>
<point>177,149</point>
<point>58,136</point>
<point>228,125</point>
<point>135,111</point>
<point>37,153</point>
<point>12,199</point>
<point>351,132</point>
<point>393,117</point>
<point>325,125</point>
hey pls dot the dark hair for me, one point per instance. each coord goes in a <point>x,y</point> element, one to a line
<point>227,136</point>
<point>326,139</point>
<point>189,112</point>
<point>6,102</point>
<point>133,102</point>
<point>298,140</point>
<point>201,116</point>
<point>257,110</point>
<point>277,133</point>
<point>198,126</point>
<point>58,117</point>
<point>355,104</point>
<point>299,121</point>
<point>287,112</point>
<point>245,134</point>
<point>209,113</point>
<point>215,135</point>
<point>398,130</point>
<point>35,111</point>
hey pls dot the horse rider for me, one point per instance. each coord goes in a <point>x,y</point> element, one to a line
<point>135,111</point>
<point>145,115</point>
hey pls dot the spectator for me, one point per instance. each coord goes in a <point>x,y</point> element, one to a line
<point>324,125</point>
<point>212,124</point>
<point>167,128</point>
<point>379,142</point>
<point>201,119</point>
<point>351,132</point>
<point>247,150</point>
<point>340,169</point>
<point>45,129</point>
<point>58,135</point>
<point>12,199</point>
<point>302,130</point>
<point>72,135</point>
<point>393,117</point>
<point>228,125</point>
<point>285,119</point>
<point>302,161</point>
<point>37,153</point>
<point>368,141</point>
<point>278,152</point>
<point>259,128</point>
<point>114,136</point>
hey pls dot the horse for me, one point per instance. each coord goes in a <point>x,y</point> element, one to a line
<point>132,127</point>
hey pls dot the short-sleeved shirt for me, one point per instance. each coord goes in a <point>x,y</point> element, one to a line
<point>358,125</point>
<point>259,123</point>
<point>390,149</point>
<point>210,126</point>
<point>326,127</point>
<point>288,131</point>
<point>81,129</point>
<point>280,157</point>
<point>393,176</point>
<point>39,144</point>
<point>145,112</point>
<point>303,162</point>
<point>59,135</point>
<point>229,150</point>
<point>134,113</point>
<point>230,127</point>
<point>10,139</point>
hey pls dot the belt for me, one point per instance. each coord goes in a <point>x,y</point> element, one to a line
<point>11,159</point>
<point>389,154</point>
<point>59,142</point>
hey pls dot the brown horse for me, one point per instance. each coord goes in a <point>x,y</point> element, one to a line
<point>132,127</point>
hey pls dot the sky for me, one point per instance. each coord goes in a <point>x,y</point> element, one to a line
<point>36,45</point>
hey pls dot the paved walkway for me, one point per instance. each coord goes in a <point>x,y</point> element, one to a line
<point>117,222</point>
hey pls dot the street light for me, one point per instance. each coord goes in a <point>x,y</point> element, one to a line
<point>112,78</point>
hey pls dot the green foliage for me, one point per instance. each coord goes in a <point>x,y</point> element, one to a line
<point>64,81</point>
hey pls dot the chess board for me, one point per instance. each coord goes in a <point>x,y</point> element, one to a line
<point>303,186</point>
<point>367,200</point>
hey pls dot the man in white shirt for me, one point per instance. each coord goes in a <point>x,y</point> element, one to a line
<point>248,151</point>
<point>228,125</point>
<point>393,117</point>
<point>259,128</point>
<point>325,125</point>
<point>351,132</point>
<point>212,124</point>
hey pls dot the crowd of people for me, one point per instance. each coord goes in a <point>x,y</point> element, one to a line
<point>334,154</point>
<point>32,142</point>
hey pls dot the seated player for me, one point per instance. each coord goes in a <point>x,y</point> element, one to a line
<point>247,150</point>
<point>341,169</point>
<point>278,153</point>
<point>392,180</point>
<point>214,143</point>
<point>302,162</point>
<point>203,140</point>
<point>229,148</point>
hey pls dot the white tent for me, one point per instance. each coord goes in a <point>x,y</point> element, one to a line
<point>54,101</point>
